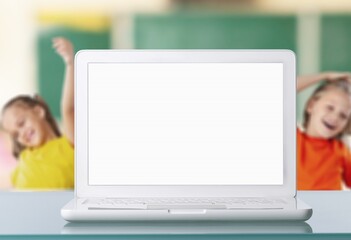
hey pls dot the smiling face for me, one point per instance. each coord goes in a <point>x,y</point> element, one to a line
<point>329,113</point>
<point>27,125</point>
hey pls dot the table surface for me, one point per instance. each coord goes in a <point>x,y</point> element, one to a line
<point>38,213</point>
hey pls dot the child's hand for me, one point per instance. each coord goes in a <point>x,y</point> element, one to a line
<point>306,81</point>
<point>64,48</point>
<point>334,76</point>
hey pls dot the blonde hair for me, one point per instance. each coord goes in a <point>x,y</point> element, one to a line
<point>325,86</point>
<point>31,102</point>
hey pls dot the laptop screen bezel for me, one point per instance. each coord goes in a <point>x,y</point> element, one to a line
<point>84,57</point>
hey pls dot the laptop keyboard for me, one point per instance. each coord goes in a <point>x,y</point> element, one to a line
<point>179,202</point>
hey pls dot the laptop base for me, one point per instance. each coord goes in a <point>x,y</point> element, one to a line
<point>72,213</point>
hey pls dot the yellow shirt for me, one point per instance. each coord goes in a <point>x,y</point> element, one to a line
<point>50,166</point>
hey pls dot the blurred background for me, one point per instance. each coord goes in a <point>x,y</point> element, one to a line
<point>318,31</point>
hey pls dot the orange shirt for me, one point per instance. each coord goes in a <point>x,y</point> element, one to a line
<point>322,164</point>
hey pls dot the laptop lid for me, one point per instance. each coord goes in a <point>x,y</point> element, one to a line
<point>185,123</point>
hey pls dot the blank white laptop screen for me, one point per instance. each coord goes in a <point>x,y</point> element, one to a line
<point>185,123</point>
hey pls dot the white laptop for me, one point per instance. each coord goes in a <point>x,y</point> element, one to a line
<point>185,135</point>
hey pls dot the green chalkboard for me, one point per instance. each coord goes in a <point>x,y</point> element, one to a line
<point>215,31</point>
<point>336,42</point>
<point>50,65</point>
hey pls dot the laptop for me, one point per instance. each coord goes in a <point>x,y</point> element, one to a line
<point>175,135</point>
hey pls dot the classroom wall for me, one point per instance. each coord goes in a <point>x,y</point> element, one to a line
<point>315,23</point>
<point>19,27</point>
<point>321,41</point>
<point>306,6</point>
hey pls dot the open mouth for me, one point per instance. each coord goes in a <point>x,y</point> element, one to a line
<point>30,135</point>
<point>329,126</point>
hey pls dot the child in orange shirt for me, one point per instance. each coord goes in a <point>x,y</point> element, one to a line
<point>323,160</point>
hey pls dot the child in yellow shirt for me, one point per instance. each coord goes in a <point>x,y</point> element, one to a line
<point>46,157</point>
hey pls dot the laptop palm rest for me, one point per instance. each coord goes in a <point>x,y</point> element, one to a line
<point>181,207</point>
<point>158,207</point>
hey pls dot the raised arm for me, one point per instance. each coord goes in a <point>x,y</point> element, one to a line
<point>64,48</point>
<point>308,80</point>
